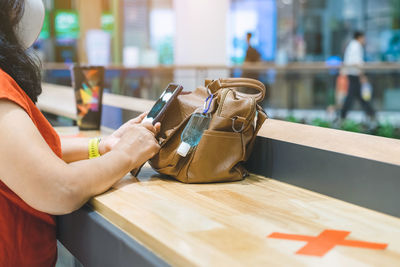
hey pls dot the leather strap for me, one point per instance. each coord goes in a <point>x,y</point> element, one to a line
<point>216,85</point>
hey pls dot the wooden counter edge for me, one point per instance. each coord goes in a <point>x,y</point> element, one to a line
<point>354,144</point>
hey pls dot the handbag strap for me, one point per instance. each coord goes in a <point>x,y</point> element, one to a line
<point>215,85</point>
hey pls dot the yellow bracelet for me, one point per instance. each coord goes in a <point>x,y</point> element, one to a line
<point>94,148</point>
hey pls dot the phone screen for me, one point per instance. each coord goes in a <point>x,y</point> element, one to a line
<point>161,102</point>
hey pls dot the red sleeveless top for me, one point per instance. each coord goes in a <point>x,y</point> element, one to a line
<point>27,236</point>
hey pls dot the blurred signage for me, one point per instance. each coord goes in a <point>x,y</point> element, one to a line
<point>107,22</point>
<point>67,24</point>
<point>98,47</point>
<point>45,33</point>
<point>135,20</point>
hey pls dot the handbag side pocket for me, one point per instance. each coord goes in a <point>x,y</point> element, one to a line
<point>216,157</point>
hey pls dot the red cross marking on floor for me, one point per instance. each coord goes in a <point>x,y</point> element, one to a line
<point>325,241</point>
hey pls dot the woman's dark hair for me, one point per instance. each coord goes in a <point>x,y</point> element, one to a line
<point>14,59</point>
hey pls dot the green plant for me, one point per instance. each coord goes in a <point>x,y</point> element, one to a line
<point>292,118</point>
<point>351,126</point>
<point>386,130</point>
<point>383,129</point>
<point>321,123</point>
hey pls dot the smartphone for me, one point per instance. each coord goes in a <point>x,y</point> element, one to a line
<point>157,112</point>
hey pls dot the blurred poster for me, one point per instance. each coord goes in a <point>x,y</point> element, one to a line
<point>98,47</point>
<point>131,57</point>
<point>136,28</point>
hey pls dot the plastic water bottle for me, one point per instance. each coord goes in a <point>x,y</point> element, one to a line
<point>366,91</point>
<point>193,132</point>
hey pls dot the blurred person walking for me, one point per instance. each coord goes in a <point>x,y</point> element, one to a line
<point>353,60</point>
<point>252,55</point>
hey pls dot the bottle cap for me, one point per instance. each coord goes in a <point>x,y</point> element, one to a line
<point>183,149</point>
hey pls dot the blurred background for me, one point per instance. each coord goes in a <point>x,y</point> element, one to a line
<point>295,47</point>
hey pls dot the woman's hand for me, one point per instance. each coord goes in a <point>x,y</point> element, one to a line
<point>134,139</point>
<point>107,143</point>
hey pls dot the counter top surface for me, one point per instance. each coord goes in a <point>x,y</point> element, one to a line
<point>246,223</point>
<point>229,224</point>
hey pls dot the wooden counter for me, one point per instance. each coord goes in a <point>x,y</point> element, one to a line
<point>259,221</point>
<point>229,224</point>
<point>233,224</point>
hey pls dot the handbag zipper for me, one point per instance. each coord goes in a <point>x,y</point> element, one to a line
<point>219,110</point>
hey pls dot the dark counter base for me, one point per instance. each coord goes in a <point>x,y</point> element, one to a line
<point>96,242</point>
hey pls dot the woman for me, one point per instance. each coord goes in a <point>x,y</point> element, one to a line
<point>39,175</point>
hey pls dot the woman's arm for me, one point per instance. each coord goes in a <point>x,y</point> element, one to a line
<point>30,168</point>
<point>74,149</point>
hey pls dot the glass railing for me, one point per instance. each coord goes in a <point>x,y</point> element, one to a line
<point>298,92</point>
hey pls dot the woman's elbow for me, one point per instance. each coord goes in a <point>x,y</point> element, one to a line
<point>70,198</point>
<point>63,199</point>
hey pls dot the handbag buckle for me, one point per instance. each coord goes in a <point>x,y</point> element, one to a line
<point>213,84</point>
<point>208,87</point>
<point>234,119</point>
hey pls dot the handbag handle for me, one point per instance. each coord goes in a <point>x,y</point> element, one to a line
<point>216,85</point>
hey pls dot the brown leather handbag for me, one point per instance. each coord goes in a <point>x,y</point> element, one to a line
<point>236,118</point>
